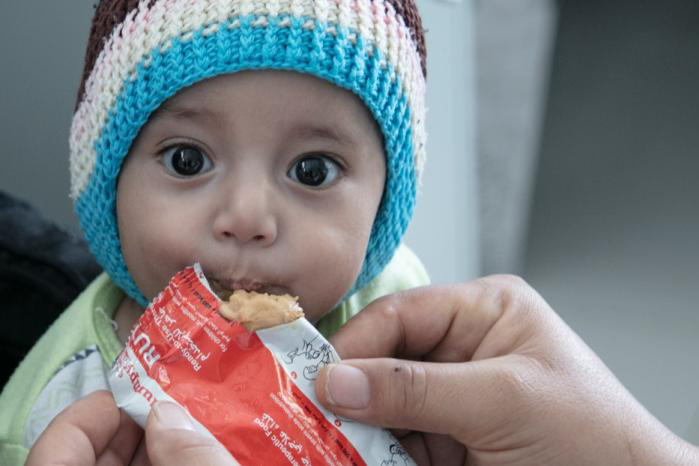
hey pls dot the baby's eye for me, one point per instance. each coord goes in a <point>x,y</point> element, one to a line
<point>186,161</point>
<point>315,170</point>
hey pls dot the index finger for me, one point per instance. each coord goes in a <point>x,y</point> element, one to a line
<point>436,323</point>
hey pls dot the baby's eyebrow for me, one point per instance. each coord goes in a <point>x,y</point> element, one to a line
<point>186,113</point>
<point>319,131</point>
<point>299,130</point>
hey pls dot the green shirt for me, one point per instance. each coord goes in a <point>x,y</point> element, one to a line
<point>73,357</point>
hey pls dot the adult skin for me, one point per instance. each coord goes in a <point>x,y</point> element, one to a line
<point>489,368</point>
<point>107,436</point>
<point>486,366</point>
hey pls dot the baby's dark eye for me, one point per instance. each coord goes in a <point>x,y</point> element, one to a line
<point>186,161</point>
<point>315,170</point>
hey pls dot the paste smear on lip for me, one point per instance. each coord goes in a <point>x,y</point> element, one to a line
<point>256,311</point>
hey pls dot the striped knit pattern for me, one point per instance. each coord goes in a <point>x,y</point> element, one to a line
<point>142,53</point>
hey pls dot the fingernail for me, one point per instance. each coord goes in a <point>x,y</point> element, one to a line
<point>347,387</point>
<point>172,416</point>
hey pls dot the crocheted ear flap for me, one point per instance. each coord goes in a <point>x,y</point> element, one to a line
<point>136,58</point>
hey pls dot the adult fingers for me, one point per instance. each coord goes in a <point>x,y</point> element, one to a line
<point>171,440</point>
<point>140,457</point>
<point>90,430</point>
<point>458,399</point>
<point>123,445</point>
<point>443,323</point>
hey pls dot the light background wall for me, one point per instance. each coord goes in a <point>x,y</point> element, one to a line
<point>445,229</point>
<point>514,45</point>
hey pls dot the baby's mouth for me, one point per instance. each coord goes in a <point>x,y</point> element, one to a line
<point>224,288</point>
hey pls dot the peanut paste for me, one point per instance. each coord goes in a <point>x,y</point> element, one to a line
<point>260,310</point>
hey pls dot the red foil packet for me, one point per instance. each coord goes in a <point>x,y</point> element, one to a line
<point>253,392</point>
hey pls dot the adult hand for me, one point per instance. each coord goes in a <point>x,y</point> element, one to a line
<point>93,431</point>
<point>90,431</point>
<point>494,376</point>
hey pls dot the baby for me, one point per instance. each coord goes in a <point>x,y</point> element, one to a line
<point>277,143</point>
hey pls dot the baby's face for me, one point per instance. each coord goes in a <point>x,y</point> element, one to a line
<point>270,179</point>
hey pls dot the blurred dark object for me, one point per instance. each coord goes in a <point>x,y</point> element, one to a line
<point>42,270</point>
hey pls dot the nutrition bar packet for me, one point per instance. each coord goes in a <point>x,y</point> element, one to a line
<point>251,390</point>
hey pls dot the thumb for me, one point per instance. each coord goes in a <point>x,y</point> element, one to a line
<point>463,399</point>
<point>171,439</point>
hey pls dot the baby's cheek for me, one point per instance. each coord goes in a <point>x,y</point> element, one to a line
<point>175,248</point>
<point>161,255</point>
<point>332,267</point>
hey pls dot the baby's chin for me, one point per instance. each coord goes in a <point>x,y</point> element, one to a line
<point>314,313</point>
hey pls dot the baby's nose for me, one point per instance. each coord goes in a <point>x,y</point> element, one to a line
<point>247,214</point>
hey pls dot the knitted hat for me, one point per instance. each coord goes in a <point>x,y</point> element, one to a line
<point>140,53</point>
